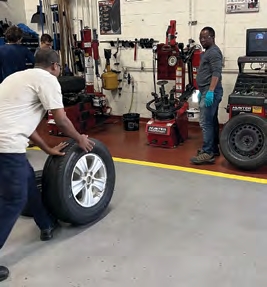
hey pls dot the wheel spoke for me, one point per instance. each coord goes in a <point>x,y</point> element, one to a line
<point>96,165</point>
<point>99,183</point>
<point>77,186</point>
<point>88,198</point>
<point>78,170</point>
<point>82,165</point>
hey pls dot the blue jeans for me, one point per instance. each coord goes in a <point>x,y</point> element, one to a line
<point>208,120</point>
<point>17,186</point>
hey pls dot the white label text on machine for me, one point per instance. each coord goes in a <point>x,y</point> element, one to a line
<point>241,109</point>
<point>157,130</point>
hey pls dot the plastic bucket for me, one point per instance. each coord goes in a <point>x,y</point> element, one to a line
<point>131,121</point>
<point>193,114</point>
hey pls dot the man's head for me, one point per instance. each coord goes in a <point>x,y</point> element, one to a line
<point>207,37</point>
<point>13,35</point>
<point>46,41</point>
<point>49,60</point>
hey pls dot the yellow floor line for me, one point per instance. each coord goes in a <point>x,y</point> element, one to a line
<point>33,148</point>
<point>193,170</point>
<point>186,169</point>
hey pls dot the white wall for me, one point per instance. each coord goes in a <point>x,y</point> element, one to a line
<point>150,18</point>
<point>13,11</point>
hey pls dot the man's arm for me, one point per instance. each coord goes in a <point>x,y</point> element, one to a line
<point>65,125</point>
<point>215,59</point>
<point>35,137</point>
<point>42,145</point>
<point>213,83</point>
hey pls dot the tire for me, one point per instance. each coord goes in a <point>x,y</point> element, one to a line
<point>243,141</point>
<point>71,84</point>
<point>38,176</point>
<point>58,175</point>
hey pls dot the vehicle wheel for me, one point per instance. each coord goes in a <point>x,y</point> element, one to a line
<point>71,84</point>
<point>78,187</point>
<point>38,176</point>
<point>243,141</point>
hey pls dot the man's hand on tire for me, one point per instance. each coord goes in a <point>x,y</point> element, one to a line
<point>85,144</point>
<point>57,149</point>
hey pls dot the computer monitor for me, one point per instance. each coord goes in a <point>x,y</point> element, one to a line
<point>256,42</point>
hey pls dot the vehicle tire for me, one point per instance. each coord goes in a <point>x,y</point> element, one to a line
<point>71,84</point>
<point>38,176</point>
<point>243,141</point>
<point>78,187</point>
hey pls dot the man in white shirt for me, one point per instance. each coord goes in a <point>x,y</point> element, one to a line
<point>25,97</point>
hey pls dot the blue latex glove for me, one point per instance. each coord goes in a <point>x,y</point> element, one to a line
<point>199,97</point>
<point>209,98</point>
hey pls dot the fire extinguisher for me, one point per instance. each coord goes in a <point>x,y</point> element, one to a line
<point>195,64</point>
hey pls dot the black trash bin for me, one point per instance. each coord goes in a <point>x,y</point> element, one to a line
<point>131,121</point>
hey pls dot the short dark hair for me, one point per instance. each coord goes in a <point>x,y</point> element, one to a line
<point>45,57</point>
<point>210,30</point>
<point>46,38</point>
<point>13,34</point>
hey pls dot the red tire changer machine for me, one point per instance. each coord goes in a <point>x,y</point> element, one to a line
<point>168,126</point>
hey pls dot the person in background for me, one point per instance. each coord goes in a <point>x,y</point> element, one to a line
<point>46,42</point>
<point>14,57</point>
<point>25,97</point>
<point>209,81</point>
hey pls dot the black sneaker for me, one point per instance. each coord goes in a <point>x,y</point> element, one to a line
<point>47,234</point>
<point>203,158</point>
<point>215,153</point>
<point>4,273</point>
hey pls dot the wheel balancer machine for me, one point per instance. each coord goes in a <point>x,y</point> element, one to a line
<point>243,137</point>
<point>250,90</point>
<point>168,126</point>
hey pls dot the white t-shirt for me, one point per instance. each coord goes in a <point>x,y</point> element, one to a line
<point>24,98</point>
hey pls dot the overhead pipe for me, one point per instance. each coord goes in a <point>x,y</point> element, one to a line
<point>224,36</point>
<point>83,15</point>
<point>94,13</point>
<point>77,18</point>
<point>191,18</point>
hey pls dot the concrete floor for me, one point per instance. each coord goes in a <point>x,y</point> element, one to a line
<point>164,228</point>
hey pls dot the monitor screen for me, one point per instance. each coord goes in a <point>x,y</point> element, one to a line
<point>256,42</point>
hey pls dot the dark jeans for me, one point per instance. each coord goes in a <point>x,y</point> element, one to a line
<point>17,185</point>
<point>209,123</point>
